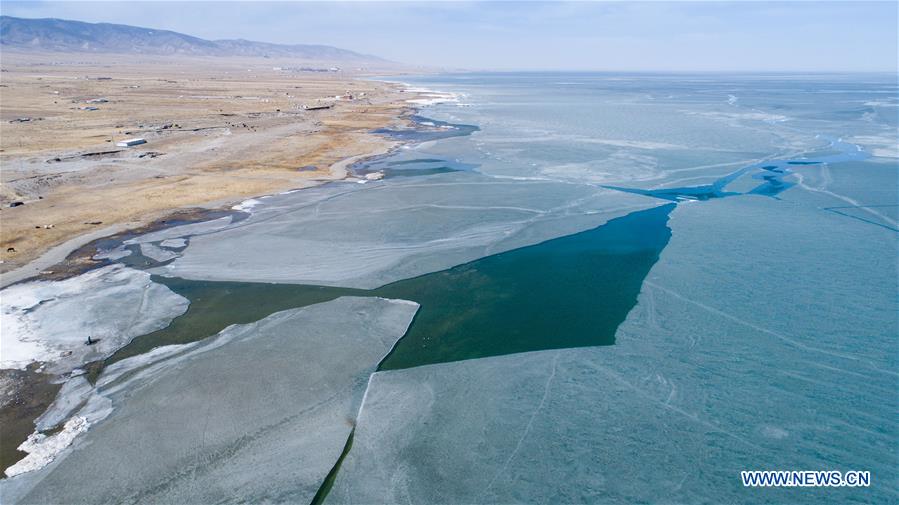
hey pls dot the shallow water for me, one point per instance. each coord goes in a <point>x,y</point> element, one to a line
<point>424,129</point>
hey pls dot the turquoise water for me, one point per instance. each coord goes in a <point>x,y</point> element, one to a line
<point>763,337</point>
<point>568,292</point>
<point>749,322</point>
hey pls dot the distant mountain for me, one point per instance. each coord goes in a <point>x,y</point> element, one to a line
<point>62,35</point>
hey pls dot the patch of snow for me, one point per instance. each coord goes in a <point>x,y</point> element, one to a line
<point>49,321</point>
<point>42,449</point>
<point>246,205</point>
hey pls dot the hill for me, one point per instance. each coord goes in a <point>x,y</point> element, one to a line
<point>60,35</point>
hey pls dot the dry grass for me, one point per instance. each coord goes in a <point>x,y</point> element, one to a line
<point>233,129</point>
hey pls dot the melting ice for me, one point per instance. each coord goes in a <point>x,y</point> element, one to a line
<point>763,338</point>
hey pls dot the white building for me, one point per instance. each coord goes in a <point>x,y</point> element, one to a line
<point>130,142</point>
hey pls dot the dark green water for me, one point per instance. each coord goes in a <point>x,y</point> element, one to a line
<point>571,291</point>
<point>216,305</point>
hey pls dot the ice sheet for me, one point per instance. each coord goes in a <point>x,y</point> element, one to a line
<point>112,254</point>
<point>751,348</point>
<point>174,243</point>
<point>156,253</point>
<point>51,320</point>
<point>366,236</point>
<point>182,231</point>
<point>540,149</point>
<point>71,396</point>
<point>42,448</point>
<point>259,413</point>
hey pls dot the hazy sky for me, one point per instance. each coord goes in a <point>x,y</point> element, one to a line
<point>538,35</point>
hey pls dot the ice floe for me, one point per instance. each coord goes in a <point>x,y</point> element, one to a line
<point>174,243</point>
<point>258,413</point>
<point>42,448</point>
<point>50,321</point>
<point>183,230</point>
<point>114,254</point>
<point>74,392</point>
<point>750,348</point>
<point>156,253</point>
<point>883,146</point>
<point>365,236</point>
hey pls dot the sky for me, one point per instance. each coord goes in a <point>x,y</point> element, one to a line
<point>505,35</point>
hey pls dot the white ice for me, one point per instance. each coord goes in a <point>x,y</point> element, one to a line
<point>50,321</point>
<point>42,448</point>
<point>246,204</point>
<point>113,254</point>
<point>181,231</point>
<point>259,413</point>
<point>175,243</point>
<point>74,392</point>
<point>156,253</point>
<point>751,348</point>
<point>366,236</point>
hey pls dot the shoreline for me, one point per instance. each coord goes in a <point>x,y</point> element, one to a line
<point>75,256</point>
<point>53,262</point>
<point>341,142</point>
<point>63,261</point>
<point>228,131</point>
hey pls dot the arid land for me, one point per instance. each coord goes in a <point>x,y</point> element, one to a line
<point>218,130</point>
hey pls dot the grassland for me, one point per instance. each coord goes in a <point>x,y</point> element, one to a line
<point>218,130</point>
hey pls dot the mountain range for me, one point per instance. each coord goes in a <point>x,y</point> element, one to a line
<point>61,35</point>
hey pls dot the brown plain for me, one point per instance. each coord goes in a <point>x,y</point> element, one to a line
<point>218,130</point>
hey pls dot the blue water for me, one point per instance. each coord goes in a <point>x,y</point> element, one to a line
<point>773,174</point>
<point>719,251</point>
<point>770,317</point>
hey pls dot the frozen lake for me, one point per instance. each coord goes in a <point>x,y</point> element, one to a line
<point>622,279</point>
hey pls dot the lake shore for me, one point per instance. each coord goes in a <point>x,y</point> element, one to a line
<point>217,131</point>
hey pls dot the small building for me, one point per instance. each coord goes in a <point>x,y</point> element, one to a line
<point>130,142</point>
<point>317,106</point>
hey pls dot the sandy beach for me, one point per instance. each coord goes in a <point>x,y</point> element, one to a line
<point>217,131</point>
